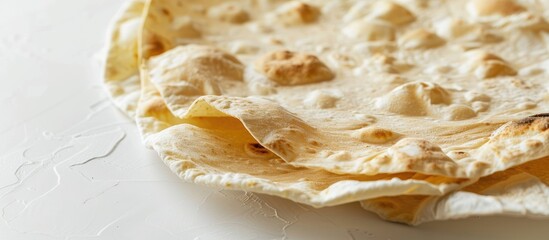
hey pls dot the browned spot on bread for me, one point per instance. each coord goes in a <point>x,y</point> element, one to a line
<point>307,12</point>
<point>315,143</point>
<point>257,150</point>
<point>533,118</point>
<point>153,44</point>
<point>415,154</point>
<point>485,56</point>
<point>488,65</point>
<point>391,12</point>
<point>165,11</point>
<point>538,122</point>
<point>296,13</point>
<point>527,120</point>
<point>229,12</point>
<point>491,69</point>
<point>291,68</point>
<point>496,7</point>
<point>420,38</point>
<point>375,135</point>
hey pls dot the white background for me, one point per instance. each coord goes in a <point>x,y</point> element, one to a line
<point>72,166</point>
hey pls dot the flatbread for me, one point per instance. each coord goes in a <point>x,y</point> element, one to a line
<point>121,74</point>
<point>260,95</point>
<point>229,157</point>
<point>519,191</point>
<point>365,124</point>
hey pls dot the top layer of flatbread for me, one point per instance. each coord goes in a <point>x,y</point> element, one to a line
<point>344,97</point>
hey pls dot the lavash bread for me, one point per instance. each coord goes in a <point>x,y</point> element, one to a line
<point>121,74</point>
<point>310,140</point>
<point>229,157</point>
<point>519,191</point>
<point>424,101</point>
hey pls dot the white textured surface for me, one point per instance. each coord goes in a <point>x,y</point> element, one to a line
<point>72,166</point>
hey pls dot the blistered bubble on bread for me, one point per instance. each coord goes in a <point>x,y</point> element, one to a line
<point>507,14</point>
<point>297,13</point>
<point>383,59</point>
<point>486,65</point>
<point>417,153</point>
<point>391,12</point>
<point>184,27</point>
<point>472,96</point>
<point>259,27</point>
<point>480,106</point>
<point>386,64</point>
<point>526,104</point>
<point>243,47</point>
<point>291,68</point>
<point>457,112</point>
<point>480,55</point>
<point>375,135</point>
<point>341,60</point>
<point>491,69</point>
<point>494,7</point>
<point>229,12</point>
<point>369,31</point>
<point>323,99</point>
<point>414,99</point>
<point>458,29</point>
<point>420,39</point>
<point>194,70</point>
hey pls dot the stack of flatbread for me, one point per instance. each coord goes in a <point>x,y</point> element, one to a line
<point>419,110</point>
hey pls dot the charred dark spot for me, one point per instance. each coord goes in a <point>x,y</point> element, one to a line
<point>256,149</point>
<point>542,118</point>
<point>526,121</point>
<point>259,148</point>
<point>541,115</point>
